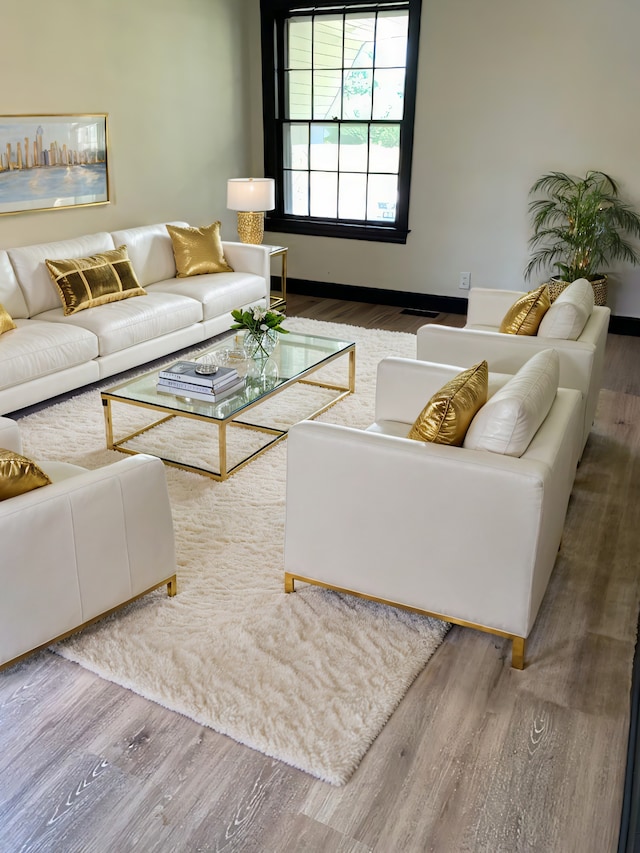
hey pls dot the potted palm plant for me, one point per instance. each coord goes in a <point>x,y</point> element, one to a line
<point>579,226</point>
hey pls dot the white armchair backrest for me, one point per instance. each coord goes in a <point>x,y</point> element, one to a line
<point>10,435</point>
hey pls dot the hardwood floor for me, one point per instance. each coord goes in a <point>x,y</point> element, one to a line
<point>477,757</point>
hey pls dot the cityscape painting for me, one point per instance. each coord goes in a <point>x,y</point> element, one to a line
<point>52,161</point>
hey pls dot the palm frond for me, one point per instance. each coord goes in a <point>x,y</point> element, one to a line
<point>579,224</point>
<point>554,183</point>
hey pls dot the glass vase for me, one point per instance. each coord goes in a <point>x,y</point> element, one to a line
<point>260,345</point>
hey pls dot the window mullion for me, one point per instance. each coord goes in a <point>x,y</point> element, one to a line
<point>341,116</point>
<point>373,80</point>
<point>313,108</point>
<point>342,66</point>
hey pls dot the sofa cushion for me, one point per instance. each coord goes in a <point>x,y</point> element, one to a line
<point>88,282</point>
<point>526,313</point>
<point>198,251</point>
<point>11,295</point>
<point>218,293</point>
<point>119,325</point>
<point>568,315</point>
<point>510,419</point>
<point>33,276</point>
<point>6,323</point>
<point>38,349</point>
<point>150,250</point>
<point>446,417</point>
<point>19,475</point>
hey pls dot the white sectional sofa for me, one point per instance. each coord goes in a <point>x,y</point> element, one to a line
<point>50,353</point>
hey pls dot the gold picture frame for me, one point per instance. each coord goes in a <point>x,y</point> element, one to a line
<point>51,162</point>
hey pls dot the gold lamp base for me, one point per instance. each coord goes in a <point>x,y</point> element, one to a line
<point>251,226</point>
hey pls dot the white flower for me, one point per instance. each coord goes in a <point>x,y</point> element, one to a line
<point>259,313</point>
<point>264,327</point>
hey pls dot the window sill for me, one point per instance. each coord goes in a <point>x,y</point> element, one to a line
<point>343,231</point>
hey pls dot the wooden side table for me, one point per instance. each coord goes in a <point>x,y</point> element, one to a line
<point>279,298</point>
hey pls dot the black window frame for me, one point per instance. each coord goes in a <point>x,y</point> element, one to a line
<point>274,14</point>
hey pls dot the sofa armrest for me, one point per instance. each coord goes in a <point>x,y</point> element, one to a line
<point>249,257</point>
<point>505,353</point>
<point>487,306</point>
<point>404,385</point>
<point>80,547</point>
<point>597,326</point>
<point>10,438</point>
<point>439,528</point>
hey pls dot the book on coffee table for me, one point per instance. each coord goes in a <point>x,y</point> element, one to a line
<point>185,371</point>
<point>208,395</point>
<point>191,386</point>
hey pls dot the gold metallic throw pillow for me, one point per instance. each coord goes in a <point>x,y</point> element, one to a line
<point>198,250</point>
<point>87,282</point>
<point>446,417</point>
<point>526,313</point>
<point>19,474</point>
<point>6,323</point>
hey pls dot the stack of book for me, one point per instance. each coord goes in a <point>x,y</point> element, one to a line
<point>183,380</point>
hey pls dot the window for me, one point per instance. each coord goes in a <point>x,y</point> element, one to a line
<point>339,83</point>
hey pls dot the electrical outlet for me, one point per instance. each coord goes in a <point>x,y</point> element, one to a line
<point>465,281</point>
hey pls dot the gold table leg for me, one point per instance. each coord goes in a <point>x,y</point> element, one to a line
<point>222,450</point>
<point>352,370</point>
<point>108,423</point>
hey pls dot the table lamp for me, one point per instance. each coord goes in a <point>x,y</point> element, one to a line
<point>251,197</point>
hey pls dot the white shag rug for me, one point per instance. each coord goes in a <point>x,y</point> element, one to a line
<point>309,678</point>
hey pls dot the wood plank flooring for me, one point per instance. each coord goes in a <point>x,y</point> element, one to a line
<point>478,757</point>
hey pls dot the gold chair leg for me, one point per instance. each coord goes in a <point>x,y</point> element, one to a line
<point>288,582</point>
<point>517,652</point>
<point>172,586</point>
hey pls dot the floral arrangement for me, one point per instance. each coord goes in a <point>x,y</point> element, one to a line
<point>259,320</point>
<point>261,326</point>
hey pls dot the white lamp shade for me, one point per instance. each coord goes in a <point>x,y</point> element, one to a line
<point>251,194</point>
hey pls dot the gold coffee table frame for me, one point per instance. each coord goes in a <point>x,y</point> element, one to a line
<point>317,353</point>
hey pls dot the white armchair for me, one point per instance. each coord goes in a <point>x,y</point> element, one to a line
<point>467,536</point>
<point>581,361</point>
<point>79,548</point>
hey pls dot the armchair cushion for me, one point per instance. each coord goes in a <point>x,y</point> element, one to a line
<point>526,313</point>
<point>446,417</point>
<point>198,250</point>
<point>568,315</point>
<point>96,280</point>
<point>19,475</point>
<point>509,420</point>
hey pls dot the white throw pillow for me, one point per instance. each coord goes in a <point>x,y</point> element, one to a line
<point>509,420</point>
<point>568,315</point>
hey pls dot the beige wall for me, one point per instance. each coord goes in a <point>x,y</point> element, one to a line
<point>172,77</point>
<point>507,90</point>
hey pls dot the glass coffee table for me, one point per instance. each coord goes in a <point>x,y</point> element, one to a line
<point>295,359</point>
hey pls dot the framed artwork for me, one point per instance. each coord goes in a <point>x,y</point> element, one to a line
<point>49,162</point>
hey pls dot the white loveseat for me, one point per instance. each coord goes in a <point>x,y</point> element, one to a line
<point>50,353</point>
<point>79,548</point>
<point>469,536</point>
<point>581,360</point>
